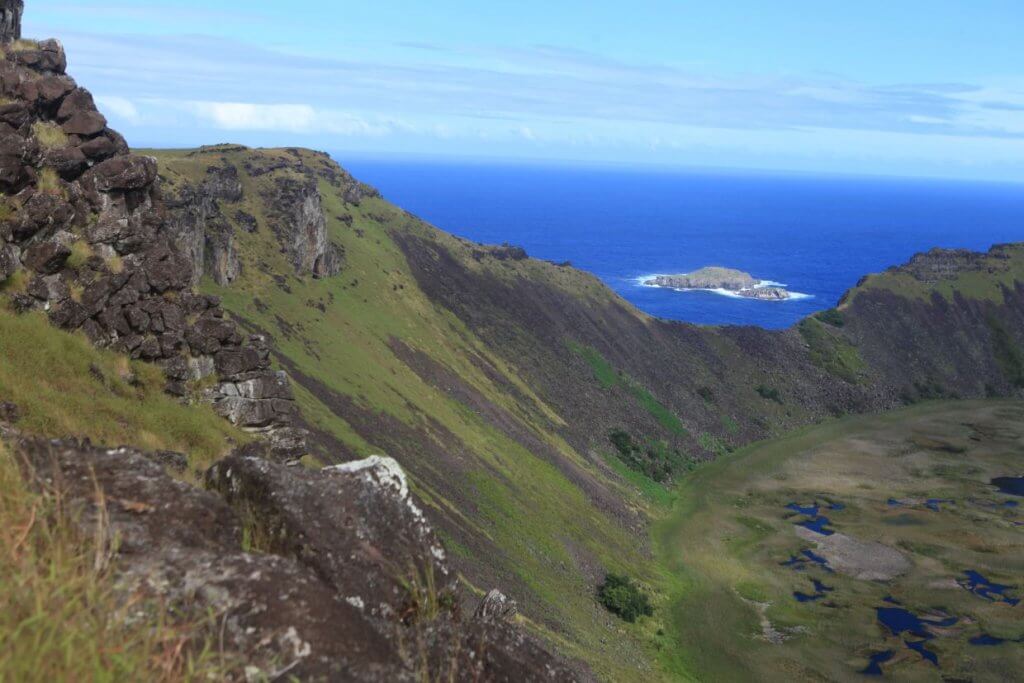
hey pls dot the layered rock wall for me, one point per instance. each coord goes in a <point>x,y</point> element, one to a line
<point>86,223</point>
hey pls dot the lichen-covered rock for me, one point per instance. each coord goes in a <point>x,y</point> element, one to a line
<point>324,600</point>
<point>356,525</point>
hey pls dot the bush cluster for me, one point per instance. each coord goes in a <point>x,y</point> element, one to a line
<point>769,393</point>
<point>831,317</point>
<point>654,461</point>
<point>623,598</point>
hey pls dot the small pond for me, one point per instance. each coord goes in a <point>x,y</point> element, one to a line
<point>1013,486</point>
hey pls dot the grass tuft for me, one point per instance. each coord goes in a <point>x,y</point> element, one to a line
<point>81,252</point>
<point>61,618</point>
<point>49,182</point>
<point>49,135</point>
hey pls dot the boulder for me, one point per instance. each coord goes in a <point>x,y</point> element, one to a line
<point>78,101</point>
<point>122,173</point>
<point>46,257</point>
<point>69,162</point>
<point>16,153</point>
<point>356,525</point>
<point>256,413</point>
<point>42,212</point>
<point>236,361</point>
<point>47,57</point>
<point>15,114</point>
<point>99,148</point>
<point>167,270</point>
<point>268,385</point>
<point>85,123</point>
<point>49,90</point>
<point>8,261</point>
<point>183,546</point>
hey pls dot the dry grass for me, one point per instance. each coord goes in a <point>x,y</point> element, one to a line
<point>60,616</point>
<point>81,252</point>
<point>49,135</point>
<point>115,264</point>
<point>49,182</point>
<point>23,45</point>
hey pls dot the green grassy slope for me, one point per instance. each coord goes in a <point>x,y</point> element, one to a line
<point>63,386</point>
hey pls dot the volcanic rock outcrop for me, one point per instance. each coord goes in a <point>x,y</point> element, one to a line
<point>10,20</point>
<point>86,222</point>
<point>346,581</point>
<point>204,216</point>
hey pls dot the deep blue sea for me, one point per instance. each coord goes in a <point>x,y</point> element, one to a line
<point>818,235</point>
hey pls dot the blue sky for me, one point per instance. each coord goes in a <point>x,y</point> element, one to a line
<point>902,87</point>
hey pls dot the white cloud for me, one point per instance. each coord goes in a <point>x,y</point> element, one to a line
<point>285,118</point>
<point>120,107</point>
<point>292,118</point>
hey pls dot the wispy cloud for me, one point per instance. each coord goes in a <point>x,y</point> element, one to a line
<point>541,99</point>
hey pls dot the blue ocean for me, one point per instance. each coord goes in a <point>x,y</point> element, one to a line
<point>817,235</point>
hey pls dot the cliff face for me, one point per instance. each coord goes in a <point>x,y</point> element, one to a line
<point>201,203</point>
<point>85,223</point>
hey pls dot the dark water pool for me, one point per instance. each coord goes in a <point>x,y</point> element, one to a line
<point>817,522</point>
<point>915,631</point>
<point>806,558</point>
<point>1011,485</point>
<point>875,662</point>
<point>820,591</point>
<point>919,646</point>
<point>976,583</point>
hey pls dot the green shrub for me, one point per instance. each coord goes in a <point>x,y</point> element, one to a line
<point>655,461</point>
<point>706,394</point>
<point>769,393</point>
<point>831,317</point>
<point>623,598</point>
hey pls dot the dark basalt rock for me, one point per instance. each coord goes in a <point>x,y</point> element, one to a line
<point>8,261</point>
<point>15,114</point>
<point>122,173</point>
<point>354,525</point>
<point>10,20</point>
<point>42,212</point>
<point>48,57</point>
<point>9,413</point>
<point>135,288</point>
<point>69,162</point>
<point>46,257</point>
<point>291,608</point>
